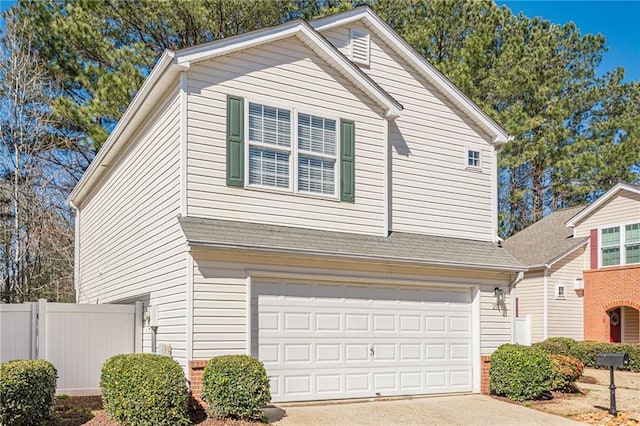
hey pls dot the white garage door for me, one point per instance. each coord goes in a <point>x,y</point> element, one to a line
<point>329,341</point>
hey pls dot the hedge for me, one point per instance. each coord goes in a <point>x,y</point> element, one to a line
<point>235,386</point>
<point>557,345</point>
<point>27,390</point>
<point>520,372</point>
<point>566,370</point>
<point>144,390</point>
<point>586,351</point>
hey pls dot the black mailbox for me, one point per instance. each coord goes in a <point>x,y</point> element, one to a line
<point>613,359</point>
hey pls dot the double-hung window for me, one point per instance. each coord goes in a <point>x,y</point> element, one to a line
<point>632,243</point>
<point>610,246</point>
<point>272,149</point>
<point>620,245</point>
<point>269,146</point>
<point>316,154</point>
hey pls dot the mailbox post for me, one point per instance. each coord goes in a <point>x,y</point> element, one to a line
<point>611,360</point>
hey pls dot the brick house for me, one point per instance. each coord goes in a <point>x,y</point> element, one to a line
<point>583,277</point>
<point>612,272</point>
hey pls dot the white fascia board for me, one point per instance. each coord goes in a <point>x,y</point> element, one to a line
<point>128,124</point>
<point>571,223</point>
<point>500,136</point>
<point>303,30</point>
<point>566,253</point>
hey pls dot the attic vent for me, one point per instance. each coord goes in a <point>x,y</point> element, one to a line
<point>359,46</point>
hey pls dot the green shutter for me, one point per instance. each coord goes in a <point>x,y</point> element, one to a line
<point>347,160</point>
<point>235,141</point>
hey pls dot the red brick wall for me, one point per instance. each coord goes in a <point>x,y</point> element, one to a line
<point>484,381</point>
<point>605,289</point>
<point>196,369</point>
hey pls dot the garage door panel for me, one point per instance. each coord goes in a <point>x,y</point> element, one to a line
<point>326,341</point>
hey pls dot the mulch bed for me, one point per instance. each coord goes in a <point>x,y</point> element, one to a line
<point>87,410</point>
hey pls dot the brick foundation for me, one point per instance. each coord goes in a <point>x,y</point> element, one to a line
<point>605,289</point>
<point>485,362</point>
<point>196,369</point>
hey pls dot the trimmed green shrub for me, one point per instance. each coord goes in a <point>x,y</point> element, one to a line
<point>235,386</point>
<point>27,390</point>
<point>144,390</point>
<point>520,372</point>
<point>586,351</point>
<point>566,370</point>
<point>634,355</point>
<point>557,345</point>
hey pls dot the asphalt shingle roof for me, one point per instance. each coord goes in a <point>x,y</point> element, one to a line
<point>400,247</point>
<point>544,240</point>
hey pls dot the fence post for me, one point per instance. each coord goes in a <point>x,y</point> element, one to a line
<point>138,323</point>
<point>33,353</point>
<point>42,329</point>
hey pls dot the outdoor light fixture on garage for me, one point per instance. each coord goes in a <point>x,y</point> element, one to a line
<point>499,293</point>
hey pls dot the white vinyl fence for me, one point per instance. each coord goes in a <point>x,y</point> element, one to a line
<point>523,330</point>
<point>75,338</point>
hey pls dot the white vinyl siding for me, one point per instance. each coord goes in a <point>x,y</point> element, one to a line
<point>631,325</point>
<point>623,207</point>
<point>432,190</point>
<point>286,74</point>
<point>220,295</point>
<point>530,294</point>
<point>131,246</point>
<point>566,313</point>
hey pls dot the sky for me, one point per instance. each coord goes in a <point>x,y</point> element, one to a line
<point>618,21</point>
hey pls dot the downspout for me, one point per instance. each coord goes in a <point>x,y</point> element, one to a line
<point>545,303</point>
<point>76,251</point>
<point>386,183</point>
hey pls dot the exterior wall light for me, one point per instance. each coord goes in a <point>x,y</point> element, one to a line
<point>499,293</point>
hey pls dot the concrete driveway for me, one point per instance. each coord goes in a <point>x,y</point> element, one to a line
<point>441,410</point>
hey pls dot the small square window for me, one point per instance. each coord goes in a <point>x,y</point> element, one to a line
<point>473,158</point>
<point>561,291</point>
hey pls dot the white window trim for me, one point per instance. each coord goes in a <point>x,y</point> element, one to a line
<point>336,157</point>
<point>557,291</point>
<point>247,143</point>
<point>292,150</point>
<point>467,150</point>
<point>623,246</point>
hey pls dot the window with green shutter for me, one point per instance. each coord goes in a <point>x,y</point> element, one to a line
<point>347,160</point>
<point>235,141</point>
<point>290,151</point>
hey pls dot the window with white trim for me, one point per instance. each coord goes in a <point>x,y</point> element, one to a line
<point>269,146</point>
<point>620,245</point>
<point>561,291</point>
<point>632,243</point>
<point>316,154</point>
<point>306,162</point>
<point>473,158</point>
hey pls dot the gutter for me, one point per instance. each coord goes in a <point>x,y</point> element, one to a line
<point>352,256</point>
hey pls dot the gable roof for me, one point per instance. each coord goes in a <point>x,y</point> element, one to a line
<point>426,69</point>
<point>321,46</point>
<point>166,73</point>
<point>580,216</point>
<point>546,241</point>
<point>399,247</point>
